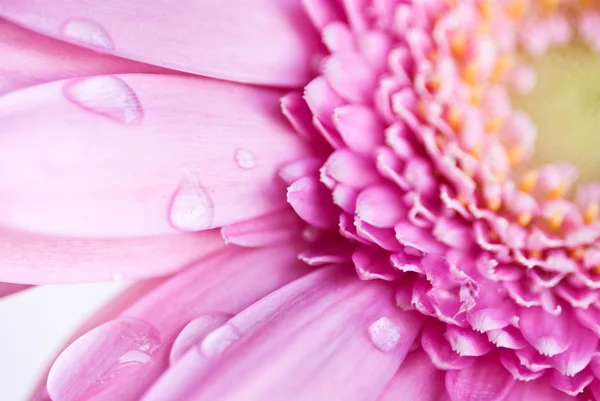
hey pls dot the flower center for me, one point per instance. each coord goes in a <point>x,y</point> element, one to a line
<point>564,104</point>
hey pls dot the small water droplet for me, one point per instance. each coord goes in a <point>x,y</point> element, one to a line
<point>385,334</point>
<point>107,96</point>
<point>245,159</point>
<point>88,33</point>
<point>220,339</point>
<point>192,208</point>
<point>194,332</point>
<point>101,358</point>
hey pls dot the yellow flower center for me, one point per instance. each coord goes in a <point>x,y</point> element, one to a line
<point>565,106</point>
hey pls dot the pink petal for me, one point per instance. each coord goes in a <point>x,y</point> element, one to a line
<point>341,338</point>
<point>250,274</point>
<point>177,139</point>
<point>323,12</point>
<point>37,259</point>
<point>265,230</point>
<point>579,354</point>
<point>380,205</point>
<point>538,390</point>
<point>312,201</point>
<point>10,288</point>
<point>199,37</point>
<point>416,380</point>
<point>549,334</point>
<point>348,168</point>
<point>508,337</point>
<point>30,59</point>
<point>353,121</point>
<point>467,342</point>
<point>372,264</point>
<point>439,350</point>
<point>519,372</point>
<point>195,332</point>
<point>484,380</point>
<point>571,385</point>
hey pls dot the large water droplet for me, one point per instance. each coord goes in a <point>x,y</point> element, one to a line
<point>192,208</point>
<point>245,159</point>
<point>102,358</point>
<point>385,334</point>
<point>105,95</point>
<point>88,33</point>
<point>195,332</point>
<point>220,339</point>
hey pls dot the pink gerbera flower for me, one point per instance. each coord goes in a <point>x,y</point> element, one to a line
<point>455,260</point>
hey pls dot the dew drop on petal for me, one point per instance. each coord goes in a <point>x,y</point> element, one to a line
<point>195,331</point>
<point>245,159</point>
<point>220,339</point>
<point>102,358</point>
<point>107,96</point>
<point>192,208</point>
<point>385,334</point>
<point>88,33</point>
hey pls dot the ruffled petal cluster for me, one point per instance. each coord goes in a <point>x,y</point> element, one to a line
<point>427,185</point>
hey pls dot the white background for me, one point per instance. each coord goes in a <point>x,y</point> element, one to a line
<point>34,323</point>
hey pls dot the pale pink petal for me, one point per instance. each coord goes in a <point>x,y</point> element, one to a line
<point>579,354</point>
<point>338,338</point>
<point>29,58</point>
<point>110,364</point>
<point>484,380</point>
<point>38,259</point>
<point>380,205</point>
<point>140,155</point>
<point>311,200</point>
<point>439,350</point>
<point>512,363</point>
<point>264,230</point>
<point>10,288</point>
<point>538,390</point>
<point>467,342</point>
<point>195,332</point>
<point>571,385</point>
<point>549,334</point>
<point>416,380</point>
<point>197,36</point>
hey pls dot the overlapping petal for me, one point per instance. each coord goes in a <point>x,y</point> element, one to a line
<point>262,41</point>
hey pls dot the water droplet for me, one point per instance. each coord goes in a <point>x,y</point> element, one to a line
<point>194,332</point>
<point>101,358</point>
<point>220,339</point>
<point>107,96</point>
<point>245,159</point>
<point>385,334</point>
<point>88,33</point>
<point>192,208</point>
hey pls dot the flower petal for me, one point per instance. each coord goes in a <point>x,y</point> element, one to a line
<point>416,380</point>
<point>264,230</point>
<point>10,288</point>
<point>38,259</point>
<point>200,37</point>
<point>336,338</point>
<point>484,380</point>
<point>140,155</point>
<point>537,390</point>
<point>548,334</point>
<point>123,368</point>
<point>29,58</point>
